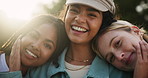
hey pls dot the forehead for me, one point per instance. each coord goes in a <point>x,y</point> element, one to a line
<point>47,27</point>
<point>47,30</point>
<point>105,39</point>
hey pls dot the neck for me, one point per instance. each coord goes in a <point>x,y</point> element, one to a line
<point>24,70</point>
<point>81,53</point>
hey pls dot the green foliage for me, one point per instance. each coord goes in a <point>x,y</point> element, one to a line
<point>57,7</point>
<point>127,11</point>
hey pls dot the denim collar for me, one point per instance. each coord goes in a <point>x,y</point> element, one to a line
<point>98,69</point>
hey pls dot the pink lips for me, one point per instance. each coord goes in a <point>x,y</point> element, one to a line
<point>129,59</point>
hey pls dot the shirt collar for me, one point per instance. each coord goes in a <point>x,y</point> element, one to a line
<point>98,69</point>
<point>53,70</point>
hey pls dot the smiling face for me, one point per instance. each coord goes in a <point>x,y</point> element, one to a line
<point>82,23</point>
<point>118,47</point>
<point>38,45</point>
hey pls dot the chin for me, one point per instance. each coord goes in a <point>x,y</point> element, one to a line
<point>127,69</point>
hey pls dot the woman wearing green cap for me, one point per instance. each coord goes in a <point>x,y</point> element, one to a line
<point>83,19</point>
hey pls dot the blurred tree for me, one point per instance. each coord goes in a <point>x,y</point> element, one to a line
<point>56,8</point>
<point>128,10</point>
<point>8,27</point>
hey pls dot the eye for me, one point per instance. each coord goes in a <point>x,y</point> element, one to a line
<point>73,10</point>
<point>112,58</point>
<point>118,44</point>
<point>92,15</point>
<point>47,45</point>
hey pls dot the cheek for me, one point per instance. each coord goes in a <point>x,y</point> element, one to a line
<point>46,54</point>
<point>118,64</point>
<point>95,27</point>
<point>95,24</point>
<point>24,42</point>
<point>68,18</point>
<point>102,47</point>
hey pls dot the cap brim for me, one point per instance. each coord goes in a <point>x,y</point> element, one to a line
<point>92,3</point>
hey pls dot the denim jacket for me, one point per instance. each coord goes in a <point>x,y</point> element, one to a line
<point>98,69</point>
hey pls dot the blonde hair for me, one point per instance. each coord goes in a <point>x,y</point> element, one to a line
<point>118,25</point>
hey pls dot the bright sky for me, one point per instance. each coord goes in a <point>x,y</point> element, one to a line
<point>20,9</point>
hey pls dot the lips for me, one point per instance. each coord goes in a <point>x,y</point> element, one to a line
<point>79,29</point>
<point>129,59</point>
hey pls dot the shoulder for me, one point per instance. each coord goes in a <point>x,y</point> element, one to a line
<point>114,72</point>
<point>102,69</point>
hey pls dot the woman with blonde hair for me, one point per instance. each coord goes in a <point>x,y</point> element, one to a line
<point>125,46</point>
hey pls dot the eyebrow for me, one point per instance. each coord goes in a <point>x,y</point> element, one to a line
<point>93,10</point>
<point>112,40</point>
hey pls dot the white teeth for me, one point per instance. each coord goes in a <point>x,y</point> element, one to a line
<point>79,28</point>
<point>30,53</point>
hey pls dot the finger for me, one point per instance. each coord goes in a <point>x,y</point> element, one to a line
<point>139,55</point>
<point>15,47</point>
<point>19,37</point>
<point>14,60</point>
<point>144,50</point>
<point>146,45</point>
<point>18,46</point>
<point>15,52</point>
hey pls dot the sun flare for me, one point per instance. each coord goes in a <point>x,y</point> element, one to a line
<point>20,9</point>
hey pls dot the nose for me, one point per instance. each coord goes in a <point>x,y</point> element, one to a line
<point>120,55</point>
<point>80,18</point>
<point>36,45</point>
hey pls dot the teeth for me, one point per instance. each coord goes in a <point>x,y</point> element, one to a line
<point>79,28</point>
<point>30,53</point>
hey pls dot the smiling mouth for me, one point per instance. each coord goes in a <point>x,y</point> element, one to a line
<point>79,29</point>
<point>129,59</point>
<point>31,54</point>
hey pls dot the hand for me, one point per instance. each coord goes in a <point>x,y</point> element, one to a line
<point>14,59</point>
<point>141,68</point>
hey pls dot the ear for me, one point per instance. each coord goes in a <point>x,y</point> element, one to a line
<point>135,29</point>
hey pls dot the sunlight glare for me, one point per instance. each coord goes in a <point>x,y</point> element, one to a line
<point>20,9</point>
